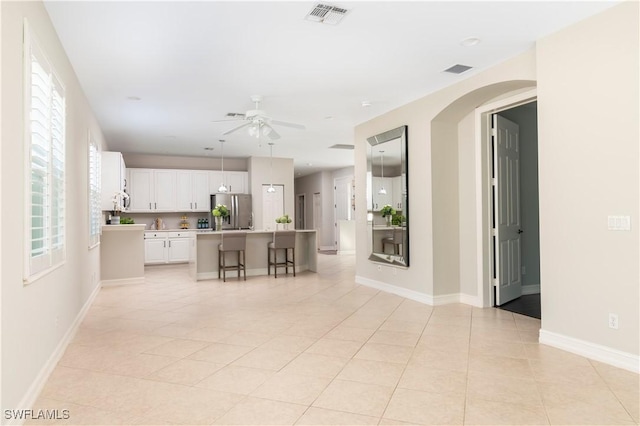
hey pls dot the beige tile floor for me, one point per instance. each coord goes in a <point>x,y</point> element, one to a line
<point>319,349</point>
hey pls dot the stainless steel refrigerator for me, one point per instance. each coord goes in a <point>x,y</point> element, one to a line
<point>240,210</point>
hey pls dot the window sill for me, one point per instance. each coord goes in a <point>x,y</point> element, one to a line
<point>35,277</point>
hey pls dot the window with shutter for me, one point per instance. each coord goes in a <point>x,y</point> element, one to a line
<point>95,219</point>
<point>45,141</point>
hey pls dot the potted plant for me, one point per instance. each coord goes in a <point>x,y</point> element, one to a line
<point>387,212</point>
<point>220,212</point>
<point>118,206</point>
<point>284,220</point>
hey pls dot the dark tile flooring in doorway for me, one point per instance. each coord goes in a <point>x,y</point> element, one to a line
<point>528,305</point>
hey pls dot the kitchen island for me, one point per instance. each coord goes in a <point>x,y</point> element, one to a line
<point>203,256</point>
<point>122,255</point>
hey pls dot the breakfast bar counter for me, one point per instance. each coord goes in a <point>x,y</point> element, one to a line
<point>203,256</point>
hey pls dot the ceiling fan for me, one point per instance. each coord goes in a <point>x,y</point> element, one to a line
<point>258,122</point>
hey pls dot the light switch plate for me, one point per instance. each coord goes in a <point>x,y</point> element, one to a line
<point>619,223</point>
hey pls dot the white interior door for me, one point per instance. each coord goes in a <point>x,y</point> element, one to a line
<point>507,228</point>
<point>342,203</point>
<point>272,206</point>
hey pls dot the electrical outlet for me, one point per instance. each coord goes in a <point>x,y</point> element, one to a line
<point>613,321</point>
<point>57,321</point>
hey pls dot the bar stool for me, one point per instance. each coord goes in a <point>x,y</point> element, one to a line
<point>232,241</point>
<point>285,240</point>
<point>395,240</point>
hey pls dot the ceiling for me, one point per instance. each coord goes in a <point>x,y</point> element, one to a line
<point>157,73</point>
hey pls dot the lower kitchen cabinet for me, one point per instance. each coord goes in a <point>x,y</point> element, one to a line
<point>166,247</point>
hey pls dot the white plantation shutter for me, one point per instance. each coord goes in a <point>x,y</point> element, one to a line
<point>95,219</point>
<point>45,137</point>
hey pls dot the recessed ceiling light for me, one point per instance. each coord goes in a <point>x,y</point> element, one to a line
<point>133,98</point>
<point>366,104</point>
<point>470,41</point>
<point>208,148</point>
<point>329,117</point>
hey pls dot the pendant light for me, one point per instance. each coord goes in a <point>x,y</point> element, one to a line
<point>382,191</point>
<point>222,187</point>
<point>271,189</point>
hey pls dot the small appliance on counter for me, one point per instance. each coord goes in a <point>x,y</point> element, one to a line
<point>159,224</point>
<point>184,223</point>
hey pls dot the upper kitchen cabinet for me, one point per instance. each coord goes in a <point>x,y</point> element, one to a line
<point>152,190</point>
<point>114,178</point>
<point>192,192</point>
<point>236,182</point>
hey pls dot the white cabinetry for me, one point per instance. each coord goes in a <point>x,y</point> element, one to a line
<point>192,190</point>
<point>397,195</point>
<point>178,245</point>
<point>152,190</point>
<point>113,178</point>
<point>236,182</point>
<point>155,247</point>
<point>379,200</point>
<point>167,247</point>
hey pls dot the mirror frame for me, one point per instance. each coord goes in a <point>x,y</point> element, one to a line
<point>401,133</point>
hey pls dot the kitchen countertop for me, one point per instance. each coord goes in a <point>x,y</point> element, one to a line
<point>132,227</point>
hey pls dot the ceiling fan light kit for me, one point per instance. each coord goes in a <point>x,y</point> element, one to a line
<point>258,123</point>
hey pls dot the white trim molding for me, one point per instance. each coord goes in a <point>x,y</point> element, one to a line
<point>427,299</point>
<point>37,385</point>
<point>590,350</point>
<point>123,281</point>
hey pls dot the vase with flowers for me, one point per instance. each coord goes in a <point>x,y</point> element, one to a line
<point>387,212</point>
<point>118,200</point>
<point>220,212</point>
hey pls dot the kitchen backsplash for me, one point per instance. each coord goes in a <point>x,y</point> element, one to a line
<point>169,220</point>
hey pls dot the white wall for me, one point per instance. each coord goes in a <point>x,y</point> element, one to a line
<point>260,174</point>
<point>588,109</point>
<point>434,200</point>
<point>42,312</point>
<point>588,165</point>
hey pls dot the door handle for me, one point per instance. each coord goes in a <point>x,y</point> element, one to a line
<point>520,231</point>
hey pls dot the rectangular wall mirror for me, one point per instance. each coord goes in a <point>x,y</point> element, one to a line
<point>388,196</point>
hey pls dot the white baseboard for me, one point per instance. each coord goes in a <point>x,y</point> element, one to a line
<point>530,289</point>
<point>37,385</point>
<point>417,296</point>
<point>590,350</point>
<point>400,291</point>
<point>123,281</point>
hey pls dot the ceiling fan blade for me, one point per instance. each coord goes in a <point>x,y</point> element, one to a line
<point>287,124</point>
<point>237,128</point>
<point>272,134</point>
<point>225,121</point>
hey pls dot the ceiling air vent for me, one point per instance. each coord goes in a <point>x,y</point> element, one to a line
<point>326,14</point>
<point>341,146</point>
<point>234,114</point>
<point>458,69</point>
